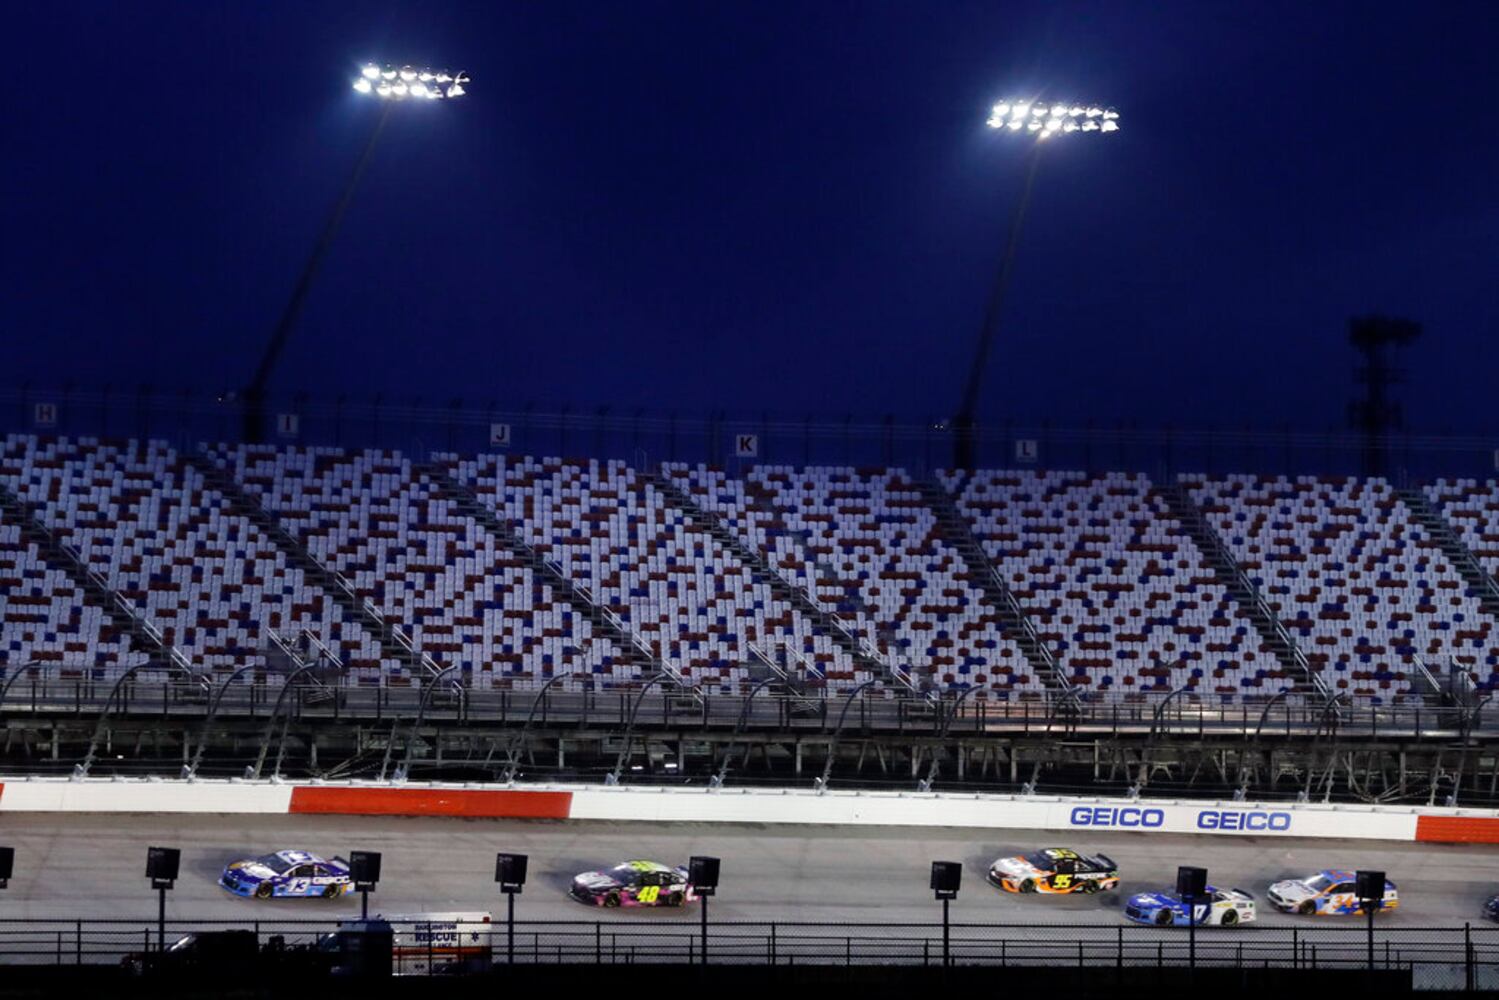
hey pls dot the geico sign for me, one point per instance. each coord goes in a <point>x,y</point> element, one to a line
<point>1229,819</point>
<point>1123,816</point>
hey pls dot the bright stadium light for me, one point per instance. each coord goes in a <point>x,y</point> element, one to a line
<point>1046,120</point>
<point>394,84</point>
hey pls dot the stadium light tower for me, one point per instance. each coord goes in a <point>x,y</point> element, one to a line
<point>1036,122</point>
<point>390,85</point>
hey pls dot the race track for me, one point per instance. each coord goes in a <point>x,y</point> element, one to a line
<point>92,866</point>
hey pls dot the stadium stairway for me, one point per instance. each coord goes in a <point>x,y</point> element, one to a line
<point>337,589</point>
<point>1461,557</point>
<point>956,531</point>
<point>782,588</point>
<point>144,636</point>
<point>1264,619</point>
<point>604,623</point>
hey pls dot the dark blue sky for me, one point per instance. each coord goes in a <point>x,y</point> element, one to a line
<point>760,205</point>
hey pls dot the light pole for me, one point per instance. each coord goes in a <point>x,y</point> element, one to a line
<point>510,872</point>
<point>390,86</point>
<point>1035,121</point>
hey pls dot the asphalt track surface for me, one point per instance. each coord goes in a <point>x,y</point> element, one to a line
<point>92,867</point>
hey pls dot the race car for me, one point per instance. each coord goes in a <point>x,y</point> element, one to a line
<point>1054,870</point>
<point>1328,892</point>
<point>1222,908</point>
<point>287,873</point>
<point>634,883</point>
<point>1491,908</point>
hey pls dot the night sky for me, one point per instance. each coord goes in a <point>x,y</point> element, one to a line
<point>760,205</point>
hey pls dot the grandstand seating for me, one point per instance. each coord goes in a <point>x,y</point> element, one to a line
<point>462,597</point>
<point>144,520</point>
<point>864,545</point>
<point>691,600</point>
<point>1364,588</point>
<point>1113,584</point>
<point>1098,564</point>
<point>45,617</point>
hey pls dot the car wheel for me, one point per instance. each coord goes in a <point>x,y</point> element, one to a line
<point>331,892</point>
<point>1089,888</point>
<point>1229,918</point>
<point>675,899</point>
<point>264,891</point>
<point>612,899</point>
<point>1307,908</point>
<point>1029,885</point>
<point>1163,918</point>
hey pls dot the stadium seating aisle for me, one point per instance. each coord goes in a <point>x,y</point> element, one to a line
<point>691,600</point>
<point>463,598</point>
<point>146,522</point>
<point>45,618</point>
<point>1113,584</point>
<point>1361,585</point>
<point>864,546</point>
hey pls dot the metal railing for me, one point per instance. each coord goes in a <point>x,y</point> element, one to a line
<point>1457,957</point>
<point>57,691</point>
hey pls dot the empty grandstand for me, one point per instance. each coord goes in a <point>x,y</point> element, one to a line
<point>497,614</point>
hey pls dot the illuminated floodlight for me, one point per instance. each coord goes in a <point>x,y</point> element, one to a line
<point>1048,119</point>
<point>409,81</point>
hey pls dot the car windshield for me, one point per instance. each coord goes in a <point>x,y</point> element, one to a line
<point>274,863</point>
<point>624,873</point>
<point>1318,882</point>
<point>1040,859</point>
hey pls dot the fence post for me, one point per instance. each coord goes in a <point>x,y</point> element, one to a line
<point>598,943</point>
<point>1119,950</point>
<point>1295,949</point>
<point>78,944</point>
<point>1469,979</point>
<point>772,944</point>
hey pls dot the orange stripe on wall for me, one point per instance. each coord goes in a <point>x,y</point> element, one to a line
<point>1457,829</point>
<point>430,802</point>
